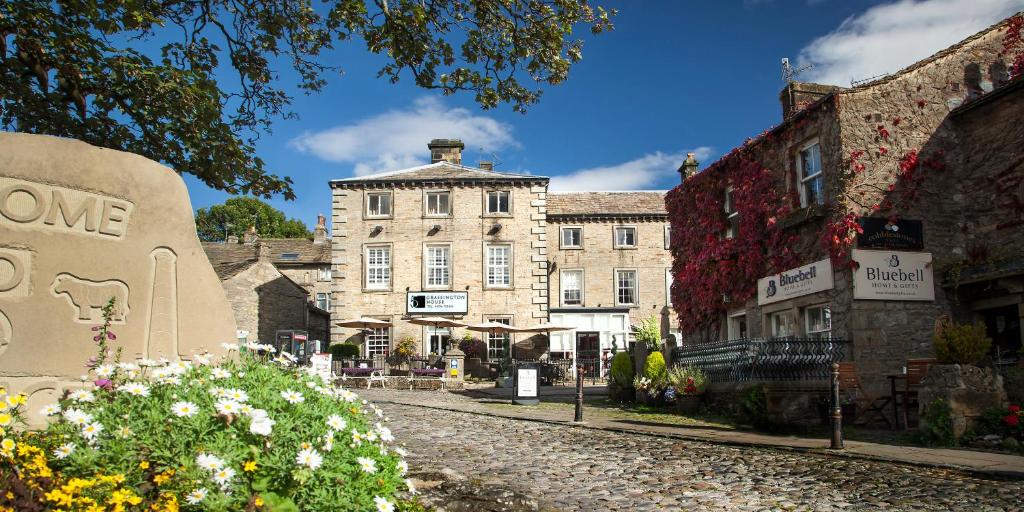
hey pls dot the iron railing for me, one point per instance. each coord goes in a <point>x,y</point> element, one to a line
<point>762,359</point>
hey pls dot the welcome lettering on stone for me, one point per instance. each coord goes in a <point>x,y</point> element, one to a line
<point>35,205</point>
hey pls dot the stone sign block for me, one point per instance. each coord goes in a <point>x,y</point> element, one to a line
<point>79,225</point>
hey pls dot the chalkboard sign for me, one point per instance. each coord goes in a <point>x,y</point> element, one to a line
<point>525,382</point>
<point>901,235</point>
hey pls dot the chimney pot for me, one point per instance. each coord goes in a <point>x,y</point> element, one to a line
<point>487,166</point>
<point>320,231</point>
<point>689,167</point>
<point>448,150</point>
<point>250,236</point>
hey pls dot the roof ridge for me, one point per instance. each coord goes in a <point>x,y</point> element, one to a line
<point>440,164</point>
<point>562,193</point>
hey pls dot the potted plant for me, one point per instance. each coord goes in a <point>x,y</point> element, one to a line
<point>652,382</point>
<point>689,383</point>
<point>404,351</point>
<point>621,384</point>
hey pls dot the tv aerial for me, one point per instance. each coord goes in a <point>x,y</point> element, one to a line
<point>789,73</point>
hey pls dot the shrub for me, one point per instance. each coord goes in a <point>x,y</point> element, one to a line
<point>344,351</point>
<point>649,333</point>
<point>404,350</point>
<point>473,347</point>
<point>936,425</point>
<point>229,434</point>
<point>654,367</point>
<point>687,380</point>
<point>961,343</point>
<point>754,408</point>
<point>622,370</point>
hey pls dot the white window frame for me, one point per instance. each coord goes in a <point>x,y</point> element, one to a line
<point>817,333</point>
<point>378,341</point>
<point>326,300</point>
<point>732,216</point>
<point>391,206</point>
<point>508,203</point>
<point>773,326</point>
<point>802,180</point>
<point>323,273</point>
<point>446,270</point>
<point>487,266</point>
<point>731,327</point>
<point>636,286</point>
<point>563,289</point>
<point>428,194</point>
<point>561,237</point>
<point>615,237</point>
<point>386,273</point>
<point>496,343</point>
<point>441,333</point>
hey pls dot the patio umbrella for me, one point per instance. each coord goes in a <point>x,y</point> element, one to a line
<point>364,323</point>
<point>436,322</point>
<point>493,328</point>
<point>547,328</point>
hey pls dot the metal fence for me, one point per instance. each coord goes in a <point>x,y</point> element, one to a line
<point>762,359</point>
<point>560,371</point>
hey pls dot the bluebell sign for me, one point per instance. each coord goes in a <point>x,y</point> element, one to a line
<point>810,278</point>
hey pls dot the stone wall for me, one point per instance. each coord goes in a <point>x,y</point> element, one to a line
<point>467,230</point>
<point>264,301</point>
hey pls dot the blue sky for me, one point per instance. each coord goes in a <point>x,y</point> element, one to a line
<point>674,76</point>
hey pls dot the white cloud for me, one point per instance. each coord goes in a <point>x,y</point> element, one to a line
<point>398,138</point>
<point>889,37</point>
<point>642,173</point>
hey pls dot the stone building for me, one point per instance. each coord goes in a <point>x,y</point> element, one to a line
<point>611,267</point>
<point>263,298</point>
<point>469,243</point>
<point>926,161</point>
<point>306,262</point>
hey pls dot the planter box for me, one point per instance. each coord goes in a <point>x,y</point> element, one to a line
<point>688,404</point>
<point>969,390</point>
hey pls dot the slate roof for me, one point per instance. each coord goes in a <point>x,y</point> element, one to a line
<point>606,204</point>
<point>306,250</point>
<point>230,259</point>
<point>437,172</point>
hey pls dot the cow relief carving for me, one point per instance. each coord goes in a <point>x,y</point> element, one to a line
<point>88,297</point>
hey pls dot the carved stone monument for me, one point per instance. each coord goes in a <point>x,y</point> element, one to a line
<point>78,226</point>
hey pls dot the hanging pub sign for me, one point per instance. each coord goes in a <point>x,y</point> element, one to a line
<point>893,275</point>
<point>899,235</point>
<point>443,303</point>
<point>810,278</point>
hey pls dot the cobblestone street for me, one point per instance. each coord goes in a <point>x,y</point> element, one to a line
<point>568,468</point>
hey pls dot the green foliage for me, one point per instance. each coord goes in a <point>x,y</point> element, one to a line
<point>936,425</point>
<point>195,84</point>
<point>622,370</point>
<point>962,343</point>
<point>472,347</point>
<point>688,380</point>
<point>754,407</point>
<point>404,349</point>
<point>654,368</point>
<point>237,214</point>
<point>344,351</point>
<point>649,333</point>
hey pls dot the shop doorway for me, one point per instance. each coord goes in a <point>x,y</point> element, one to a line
<point>588,347</point>
<point>1003,326</point>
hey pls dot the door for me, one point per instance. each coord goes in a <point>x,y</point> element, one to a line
<point>588,346</point>
<point>1003,326</point>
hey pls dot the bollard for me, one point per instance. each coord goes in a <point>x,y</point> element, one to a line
<point>837,411</point>
<point>579,394</point>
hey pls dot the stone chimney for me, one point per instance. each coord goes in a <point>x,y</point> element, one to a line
<point>250,236</point>
<point>232,239</point>
<point>320,231</point>
<point>262,251</point>
<point>798,95</point>
<point>487,166</point>
<point>448,150</point>
<point>689,167</point>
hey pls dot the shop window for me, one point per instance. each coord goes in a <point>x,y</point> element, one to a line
<point>625,288</point>
<point>498,202</point>
<point>736,328</point>
<point>378,204</point>
<point>438,204</point>
<point>499,266</point>
<point>438,339</point>
<point>572,238</point>
<point>811,182</point>
<point>732,217</point>
<point>625,237</point>
<point>782,324</point>
<point>572,287</point>
<point>818,322</point>
<point>378,341</point>
<point>378,267</point>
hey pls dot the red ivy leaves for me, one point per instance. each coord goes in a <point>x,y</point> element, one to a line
<point>1014,42</point>
<point>882,132</point>
<point>709,267</point>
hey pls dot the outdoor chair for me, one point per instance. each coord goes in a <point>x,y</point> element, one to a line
<point>906,398</point>
<point>868,407</point>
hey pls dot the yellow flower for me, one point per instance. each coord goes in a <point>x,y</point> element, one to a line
<point>258,501</point>
<point>5,419</point>
<point>163,477</point>
<point>7,445</point>
<point>249,466</point>
<point>144,465</point>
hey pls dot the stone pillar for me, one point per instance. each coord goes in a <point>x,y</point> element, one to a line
<point>455,364</point>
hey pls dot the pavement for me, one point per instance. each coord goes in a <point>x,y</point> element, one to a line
<point>488,400</point>
<point>638,466</point>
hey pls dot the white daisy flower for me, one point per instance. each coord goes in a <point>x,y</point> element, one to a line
<point>202,359</point>
<point>218,392</point>
<point>124,432</point>
<point>336,422</point>
<point>261,426</point>
<point>383,505</point>
<point>246,409</point>
<point>228,407</point>
<point>367,464</point>
<point>347,395</point>
<point>370,436</point>
<point>310,384</point>
<point>91,430</point>
<point>410,485</point>
<point>184,409</point>
<point>63,451</point>
<point>50,410</point>
<point>236,394</point>
<point>128,367</point>
<point>135,389</point>
<point>77,416</point>
<point>82,395</point>
<point>147,362</point>
<point>220,373</point>
<point>401,452</point>
<point>223,477</point>
<point>403,467</point>
<point>229,346</point>
<point>309,458</point>
<point>209,462</point>
<point>196,496</point>
<point>385,434</point>
<point>104,371</point>
<point>293,397</point>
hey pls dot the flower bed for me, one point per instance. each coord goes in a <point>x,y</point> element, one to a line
<point>230,434</point>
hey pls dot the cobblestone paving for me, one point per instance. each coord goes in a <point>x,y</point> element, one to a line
<point>579,469</point>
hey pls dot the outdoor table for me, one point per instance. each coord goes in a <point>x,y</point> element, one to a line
<point>360,372</point>
<point>427,372</point>
<point>896,408</point>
